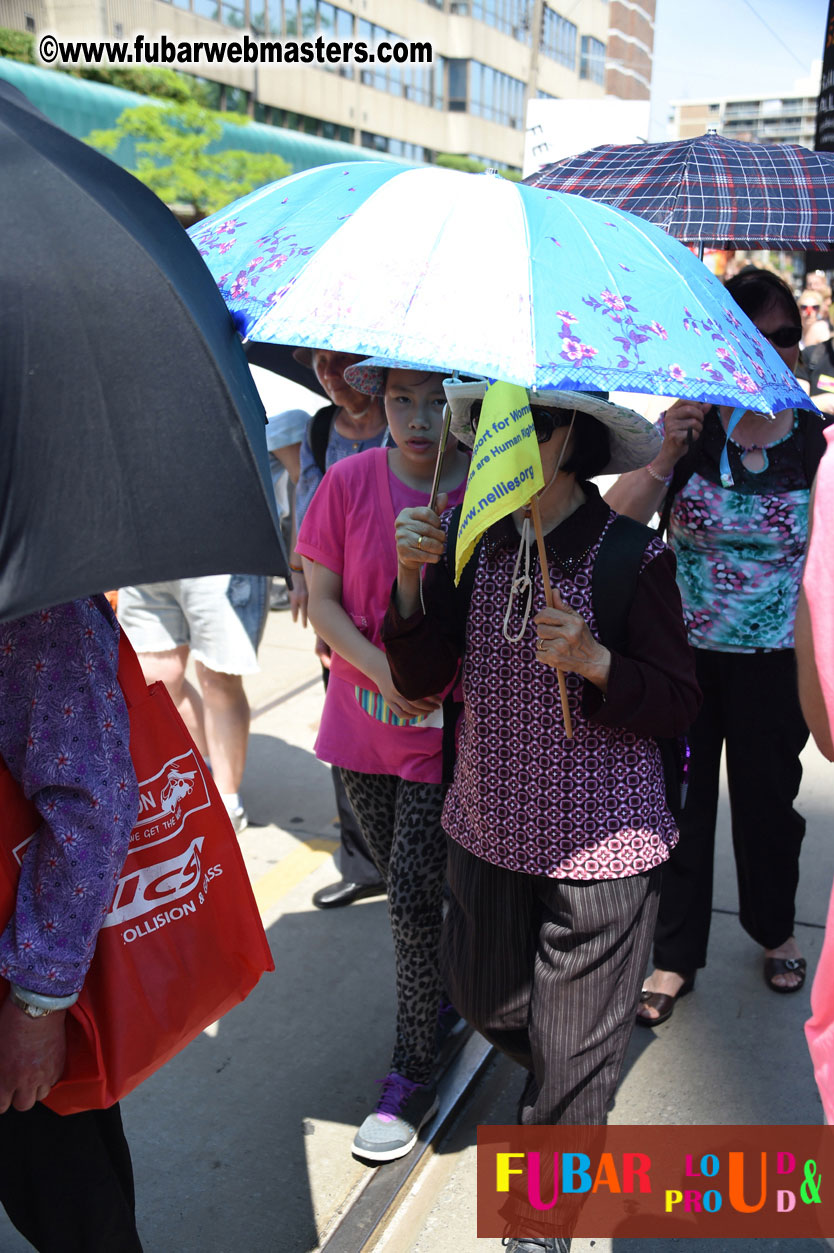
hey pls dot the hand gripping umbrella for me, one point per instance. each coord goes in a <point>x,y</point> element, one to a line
<point>133,436</point>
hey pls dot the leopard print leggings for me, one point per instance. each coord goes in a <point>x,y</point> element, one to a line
<point>400,821</point>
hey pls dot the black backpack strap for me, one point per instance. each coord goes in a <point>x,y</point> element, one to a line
<point>616,570</point>
<point>320,425</point>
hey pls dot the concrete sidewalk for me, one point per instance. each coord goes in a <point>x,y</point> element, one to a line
<point>242,1143</point>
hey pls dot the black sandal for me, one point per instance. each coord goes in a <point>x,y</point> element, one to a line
<point>785,966</point>
<point>663,1003</point>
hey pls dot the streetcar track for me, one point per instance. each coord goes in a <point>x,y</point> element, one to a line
<point>375,1200</point>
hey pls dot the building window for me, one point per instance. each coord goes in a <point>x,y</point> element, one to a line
<point>395,147</point>
<point>438,80</point>
<point>236,101</point>
<point>233,13</point>
<point>421,84</point>
<point>378,142</point>
<point>291,19</point>
<point>488,93</point>
<point>336,24</point>
<point>558,38</point>
<point>510,16</point>
<point>592,60</point>
<point>457,85</point>
<point>341,134</point>
<point>30,24</point>
<point>269,17</point>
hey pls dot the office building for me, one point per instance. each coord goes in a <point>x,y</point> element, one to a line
<point>781,118</point>
<point>489,58</point>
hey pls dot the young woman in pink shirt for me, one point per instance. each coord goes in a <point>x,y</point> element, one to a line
<point>388,749</point>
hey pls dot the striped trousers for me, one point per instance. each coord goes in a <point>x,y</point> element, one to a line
<point>550,971</point>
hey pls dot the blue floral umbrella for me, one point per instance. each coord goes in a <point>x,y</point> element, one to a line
<point>448,270</point>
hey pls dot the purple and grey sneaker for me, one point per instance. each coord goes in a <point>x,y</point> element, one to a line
<point>391,1130</point>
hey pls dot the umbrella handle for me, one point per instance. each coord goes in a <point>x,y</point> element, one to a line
<point>441,452</point>
<point>548,593</point>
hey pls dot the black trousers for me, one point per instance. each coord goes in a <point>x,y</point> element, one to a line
<point>401,823</point>
<point>353,857</point>
<point>750,704</point>
<point>67,1182</point>
<point>549,971</point>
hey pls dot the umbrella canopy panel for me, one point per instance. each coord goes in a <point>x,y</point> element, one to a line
<point>279,359</point>
<point>133,434</point>
<point>471,272</point>
<point>723,193</point>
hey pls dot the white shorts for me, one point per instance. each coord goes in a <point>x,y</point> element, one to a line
<point>220,617</point>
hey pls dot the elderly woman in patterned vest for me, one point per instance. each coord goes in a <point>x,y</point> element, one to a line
<point>555,844</point>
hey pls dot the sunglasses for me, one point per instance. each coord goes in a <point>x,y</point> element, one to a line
<point>807,308</point>
<point>783,336</point>
<point>545,420</point>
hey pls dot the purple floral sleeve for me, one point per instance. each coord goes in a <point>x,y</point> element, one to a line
<point>64,735</point>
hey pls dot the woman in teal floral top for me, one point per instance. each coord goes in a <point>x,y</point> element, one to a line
<point>737,510</point>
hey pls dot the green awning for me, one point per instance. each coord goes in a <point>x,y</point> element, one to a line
<point>80,106</point>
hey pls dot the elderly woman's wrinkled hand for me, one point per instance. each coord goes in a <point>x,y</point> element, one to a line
<point>420,538</point>
<point>566,643</point>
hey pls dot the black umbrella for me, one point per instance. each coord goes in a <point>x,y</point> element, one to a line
<point>280,360</point>
<point>132,432</point>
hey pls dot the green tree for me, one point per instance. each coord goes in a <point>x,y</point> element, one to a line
<point>167,83</point>
<point>18,45</point>
<point>170,143</point>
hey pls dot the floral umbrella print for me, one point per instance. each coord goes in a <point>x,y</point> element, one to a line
<point>471,272</point>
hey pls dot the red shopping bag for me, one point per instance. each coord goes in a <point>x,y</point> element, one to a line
<point>182,942</point>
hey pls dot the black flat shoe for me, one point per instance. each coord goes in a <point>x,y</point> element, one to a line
<point>663,1003</point>
<point>345,893</point>
<point>785,966</point>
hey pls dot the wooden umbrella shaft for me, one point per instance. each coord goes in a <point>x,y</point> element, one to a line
<point>548,593</point>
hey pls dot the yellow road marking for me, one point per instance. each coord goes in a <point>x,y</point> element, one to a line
<point>290,870</point>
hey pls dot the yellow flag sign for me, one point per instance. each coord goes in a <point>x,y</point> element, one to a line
<point>506,469</point>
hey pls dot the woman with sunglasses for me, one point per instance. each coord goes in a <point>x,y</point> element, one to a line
<point>740,547</point>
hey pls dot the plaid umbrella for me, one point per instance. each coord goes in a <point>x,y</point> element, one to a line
<point>721,193</point>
